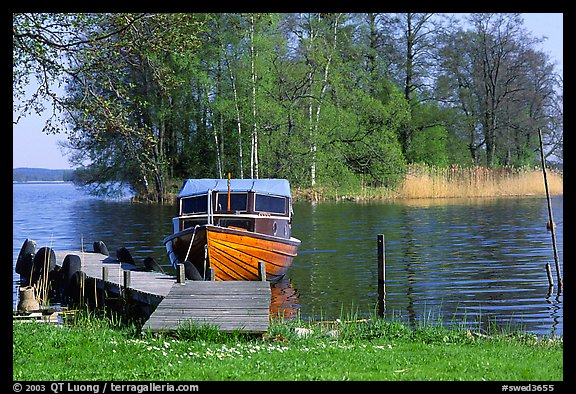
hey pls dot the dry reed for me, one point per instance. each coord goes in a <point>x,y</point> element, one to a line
<point>424,181</point>
<point>42,286</point>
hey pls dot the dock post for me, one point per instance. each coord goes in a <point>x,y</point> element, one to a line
<point>124,292</point>
<point>262,271</point>
<point>104,280</point>
<point>127,279</point>
<point>381,275</point>
<point>211,274</point>
<point>126,284</point>
<point>180,274</point>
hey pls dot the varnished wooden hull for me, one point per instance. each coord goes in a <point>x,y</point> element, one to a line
<point>234,253</point>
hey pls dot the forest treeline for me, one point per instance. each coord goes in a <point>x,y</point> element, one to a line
<point>322,99</point>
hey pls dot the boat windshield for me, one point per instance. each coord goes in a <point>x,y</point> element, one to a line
<point>272,204</point>
<point>195,204</point>
<point>238,202</point>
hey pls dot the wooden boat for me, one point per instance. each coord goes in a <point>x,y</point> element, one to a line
<point>231,225</point>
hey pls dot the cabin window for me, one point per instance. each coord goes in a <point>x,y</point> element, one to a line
<point>272,204</point>
<point>238,202</point>
<point>245,224</point>
<point>191,223</point>
<point>196,204</point>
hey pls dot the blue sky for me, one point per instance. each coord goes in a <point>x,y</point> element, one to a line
<point>32,148</point>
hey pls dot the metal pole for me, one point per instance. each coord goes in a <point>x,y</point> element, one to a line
<point>228,208</point>
<point>552,231</point>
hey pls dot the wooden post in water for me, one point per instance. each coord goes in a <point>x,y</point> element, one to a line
<point>552,230</point>
<point>549,274</point>
<point>381,275</point>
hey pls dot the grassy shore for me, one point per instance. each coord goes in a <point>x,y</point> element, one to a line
<point>366,350</point>
<point>423,181</point>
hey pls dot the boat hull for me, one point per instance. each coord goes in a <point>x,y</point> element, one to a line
<point>233,253</point>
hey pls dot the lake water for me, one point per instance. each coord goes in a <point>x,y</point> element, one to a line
<point>473,261</point>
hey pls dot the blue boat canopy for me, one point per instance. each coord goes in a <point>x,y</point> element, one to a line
<point>277,187</point>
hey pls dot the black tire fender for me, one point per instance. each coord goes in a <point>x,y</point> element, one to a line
<point>43,263</point>
<point>124,256</point>
<point>25,258</point>
<point>70,265</point>
<point>152,265</point>
<point>100,247</point>
<point>73,291</point>
<point>191,272</point>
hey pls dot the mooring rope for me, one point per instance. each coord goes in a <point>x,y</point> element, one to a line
<point>191,242</point>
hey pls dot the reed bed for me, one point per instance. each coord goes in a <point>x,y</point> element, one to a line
<point>423,181</point>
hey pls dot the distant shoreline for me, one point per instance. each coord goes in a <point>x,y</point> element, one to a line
<point>28,175</point>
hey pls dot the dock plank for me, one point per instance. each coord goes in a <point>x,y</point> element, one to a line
<point>229,305</point>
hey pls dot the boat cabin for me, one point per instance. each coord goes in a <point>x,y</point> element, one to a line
<point>256,205</point>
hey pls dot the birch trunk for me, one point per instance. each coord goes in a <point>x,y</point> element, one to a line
<point>320,100</point>
<point>254,152</point>
<point>238,121</point>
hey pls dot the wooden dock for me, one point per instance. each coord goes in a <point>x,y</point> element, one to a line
<point>228,305</point>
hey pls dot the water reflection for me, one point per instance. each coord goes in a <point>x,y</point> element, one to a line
<point>480,262</point>
<point>285,303</point>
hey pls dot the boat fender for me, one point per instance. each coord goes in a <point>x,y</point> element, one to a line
<point>43,263</point>
<point>152,265</point>
<point>124,256</point>
<point>100,247</point>
<point>70,265</point>
<point>77,286</point>
<point>25,257</point>
<point>191,271</point>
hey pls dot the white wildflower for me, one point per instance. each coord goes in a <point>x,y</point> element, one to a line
<point>303,332</point>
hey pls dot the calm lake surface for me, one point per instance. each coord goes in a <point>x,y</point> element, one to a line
<point>473,261</point>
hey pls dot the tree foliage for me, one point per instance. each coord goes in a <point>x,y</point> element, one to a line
<point>320,99</point>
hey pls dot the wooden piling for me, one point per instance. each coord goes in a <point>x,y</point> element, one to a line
<point>381,275</point>
<point>549,274</point>
<point>180,274</point>
<point>262,270</point>
<point>127,279</point>
<point>127,275</point>
<point>552,230</point>
<point>105,273</point>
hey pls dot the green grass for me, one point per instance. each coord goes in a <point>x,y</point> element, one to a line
<point>373,349</point>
